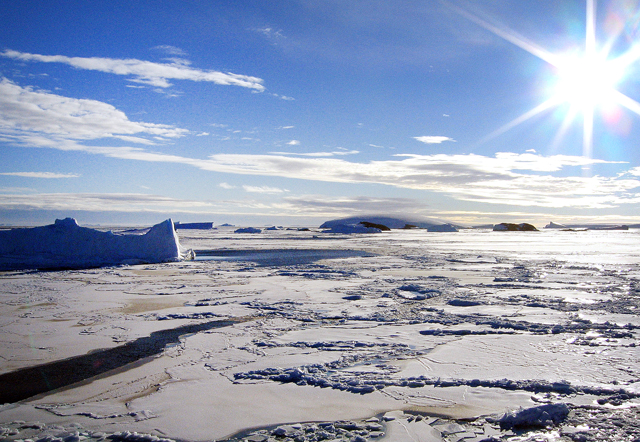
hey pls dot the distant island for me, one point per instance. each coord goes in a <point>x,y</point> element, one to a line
<point>373,223</point>
<point>510,227</point>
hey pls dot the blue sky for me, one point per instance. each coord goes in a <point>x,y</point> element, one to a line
<point>294,112</point>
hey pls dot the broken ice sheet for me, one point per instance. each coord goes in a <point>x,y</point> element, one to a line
<point>346,316</point>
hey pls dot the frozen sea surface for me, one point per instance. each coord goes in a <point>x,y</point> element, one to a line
<point>306,336</point>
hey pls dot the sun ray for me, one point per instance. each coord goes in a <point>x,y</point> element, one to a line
<point>587,136</point>
<point>590,40</point>
<point>521,119</point>
<point>627,102</point>
<point>508,34</point>
<point>562,131</point>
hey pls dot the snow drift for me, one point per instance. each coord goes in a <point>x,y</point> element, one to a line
<point>67,245</point>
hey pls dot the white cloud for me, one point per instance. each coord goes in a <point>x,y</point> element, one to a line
<point>16,190</point>
<point>337,206</point>
<point>41,174</point>
<point>294,143</point>
<point>318,154</point>
<point>137,140</point>
<point>465,177</point>
<point>28,115</point>
<point>40,119</point>
<point>273,35</point>
<point>263,189</point>
<point>171,50</point>
<point>286,127</point>
<point>635,171</point>
<point>114,202</point>
<point>226,186</point>
<point>431,139</point>
<point>146,72</point>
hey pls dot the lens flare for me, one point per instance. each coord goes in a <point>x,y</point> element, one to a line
<point>586,82</point>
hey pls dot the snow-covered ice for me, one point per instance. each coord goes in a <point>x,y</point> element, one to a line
<point>295,336</point>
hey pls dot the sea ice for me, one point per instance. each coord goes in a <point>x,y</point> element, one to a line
<point>409,335</point>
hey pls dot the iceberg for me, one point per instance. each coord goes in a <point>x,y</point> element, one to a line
<point>442,228</point>
<point>65,244</point>
<point>553,225</point>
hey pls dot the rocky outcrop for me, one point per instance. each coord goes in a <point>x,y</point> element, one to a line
<point>382,227</point>
<point>510,227</point>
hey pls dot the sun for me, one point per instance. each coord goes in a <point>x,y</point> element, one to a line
<point>586,82</point>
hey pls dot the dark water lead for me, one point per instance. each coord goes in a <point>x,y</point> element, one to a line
<point>279,257</point>
<point>27,382</point>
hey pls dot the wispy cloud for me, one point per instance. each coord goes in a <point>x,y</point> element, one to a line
<point>465,177</point>
<point>140,71</point>
<point>226,186</point>
<point>318,154</point>
<point>48,175</point>
<point>432,139</point>
<point>284,97</point>
<point>171,50</point>
<point>293,143</point>
<point>337,206</point>
<point>111,202</point>
<point>273,35</point>
<point>263,189</point>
